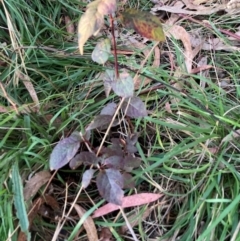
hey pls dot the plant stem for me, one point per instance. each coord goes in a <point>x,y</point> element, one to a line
<point>114,47</point>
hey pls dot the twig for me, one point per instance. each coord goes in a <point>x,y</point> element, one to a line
<point>109,127</point>
<point>129,225</point>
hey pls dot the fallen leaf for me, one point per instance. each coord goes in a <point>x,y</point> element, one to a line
<point>88,224</point>
<point>69,25</point>
<point>129,201</point>
<point>233,4</point>
<point>144,23</point>
<point>231,136</point>
<point>35,183</point>
<point>64,151</point>
<point>110,184</point>
<point>180,33</point>
<point>212,44</point>
<point>105,235</point>
<point>202,11</point>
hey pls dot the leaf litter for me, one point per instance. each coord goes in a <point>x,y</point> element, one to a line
<point>129,201</point>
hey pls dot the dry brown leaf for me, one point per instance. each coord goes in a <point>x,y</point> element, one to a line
<point>203,11</point>
<point>212,44</point>
<point>29,86</point>
<point>190,5</point>
<point>198,2</point>
<point>231,136</point>
<point>233,4</point>
<point>174,17</point>
<point>180,33</point>
<point>105,235</point>
<point>35,183</point>
<point>88,224</point>
<point>69,25</point>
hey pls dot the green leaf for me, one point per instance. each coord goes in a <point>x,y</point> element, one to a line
<point>19,200</point>
<point>144,23</point>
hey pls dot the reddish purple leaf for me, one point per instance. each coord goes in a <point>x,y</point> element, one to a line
<point>113,162</point>
<point>87,177</point>
<point>131,148</point>
<point>101,122</point>
<point>64,151</point>
<point>76,162</point>
<point>114,150</point>
<point>110,184</point>
<point>87,158</point>
<point>134,108</point>
<point>108,76</point>
<point>130,201</point>
<point>124,85</point>
<point>130,161</point>
<point>109,109</point>
<point>128,181</point>
<point>133,138</point>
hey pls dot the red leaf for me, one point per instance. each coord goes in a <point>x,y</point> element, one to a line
<point>64,151</point>
<point>110,184</point>
<point>134,108</point>
<point>130,201</point>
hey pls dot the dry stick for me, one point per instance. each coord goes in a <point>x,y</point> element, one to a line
<point>114,47</point>
<point>60,226</point>
<point>110,125</point>
<point>128,225</point>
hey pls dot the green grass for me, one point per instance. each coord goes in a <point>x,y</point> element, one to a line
<point>182,152</point>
